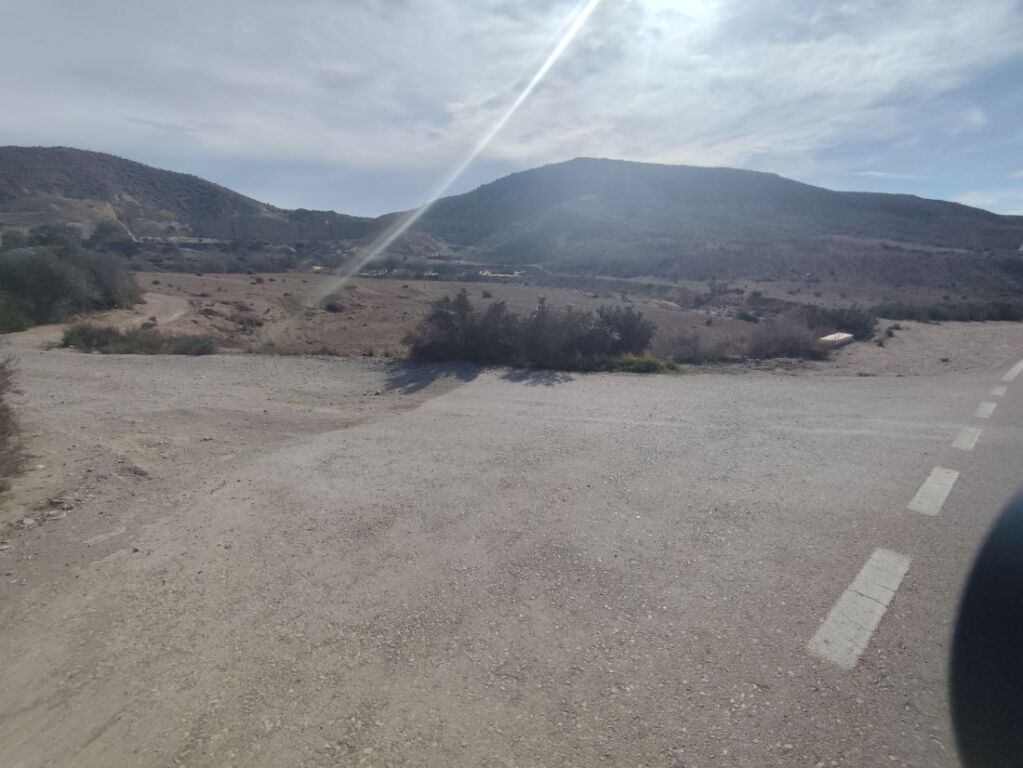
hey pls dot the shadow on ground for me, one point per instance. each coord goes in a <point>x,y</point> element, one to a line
<point>537,378</point>
<point>409,378</point>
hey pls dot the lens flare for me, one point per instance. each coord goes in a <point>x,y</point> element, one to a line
<point>387,238</point>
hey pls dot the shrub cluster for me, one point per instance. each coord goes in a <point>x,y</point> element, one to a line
<point>47,283</point>
<point>137,341</point>
<point>782,338</point>
<point>549,337</point>
<point>825,320</point>
<point>970,311</point>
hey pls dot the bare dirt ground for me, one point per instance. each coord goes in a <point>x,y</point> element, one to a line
<point>253,560</point>
<point>924,349</point>
<point>156,307</point>
<point>377,312</point>
<point>257,561</point>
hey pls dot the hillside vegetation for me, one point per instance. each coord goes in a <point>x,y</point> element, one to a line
<point>585,217</point>
<point>52,276</point>
<point>60,185</point>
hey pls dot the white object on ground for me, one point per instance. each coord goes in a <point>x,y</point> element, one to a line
<point>837,339</point>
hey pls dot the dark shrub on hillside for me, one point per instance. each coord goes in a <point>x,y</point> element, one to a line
<point>569,338</point>
<point>14,315</point>
<point>746,316</point>
<point>10,449</point>
<point>137,341</point>
<point>824,320</point>
<point>781,338</point>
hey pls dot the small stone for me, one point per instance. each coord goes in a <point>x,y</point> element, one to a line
<point>29,522</point>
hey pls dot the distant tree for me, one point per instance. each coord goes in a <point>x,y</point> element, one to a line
<point>51,283</point>
<point>55,235</point>
<point>41,279</point>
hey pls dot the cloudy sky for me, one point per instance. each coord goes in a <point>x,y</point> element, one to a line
<point>361,105</point>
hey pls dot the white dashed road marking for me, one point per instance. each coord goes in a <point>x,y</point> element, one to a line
<point>967,438</point>
<point>985,409</point>
<point>932,494</point>
<point>844,634</point>
<point>998,391</point>
<point>1013,372</point>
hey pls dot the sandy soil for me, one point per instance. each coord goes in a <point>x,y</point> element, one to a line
<point>377,313</point>
<point>158,307</point>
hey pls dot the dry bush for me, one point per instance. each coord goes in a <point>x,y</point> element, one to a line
<point>549,338</point>
<point>691,348</point>
<point>781,338</point>
<point>10,447</point>
<point>138,341</point>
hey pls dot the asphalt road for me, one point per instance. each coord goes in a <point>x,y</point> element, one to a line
<point>516,571</point>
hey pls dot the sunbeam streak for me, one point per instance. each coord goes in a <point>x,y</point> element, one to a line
<point>388,238</point>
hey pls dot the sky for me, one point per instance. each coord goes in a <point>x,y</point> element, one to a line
<point>361,106</point>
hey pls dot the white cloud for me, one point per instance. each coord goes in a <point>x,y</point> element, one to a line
<point>408,85</point>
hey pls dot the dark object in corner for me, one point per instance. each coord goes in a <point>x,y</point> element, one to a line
<point>986,670</point>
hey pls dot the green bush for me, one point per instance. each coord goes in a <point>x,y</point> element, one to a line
<point>137,341</point>
<point>455,330</point>
<point>549,337</point>
<point>13,315</point>
<point>50,283</point>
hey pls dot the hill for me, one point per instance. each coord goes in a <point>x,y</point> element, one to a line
<point>584,216</point>
<point>46,185</point>
<point>642,200</point>
<point>589,211</point>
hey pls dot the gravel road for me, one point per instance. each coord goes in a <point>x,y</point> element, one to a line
<point>260,561</point>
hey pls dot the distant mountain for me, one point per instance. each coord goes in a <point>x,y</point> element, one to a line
<point>586,215</point>
<point>588,199</point>
<point>40,185</point>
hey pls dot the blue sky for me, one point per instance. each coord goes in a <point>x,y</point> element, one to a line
<point>361,105</point>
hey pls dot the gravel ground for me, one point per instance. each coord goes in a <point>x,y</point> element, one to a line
<point>247,560</point>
